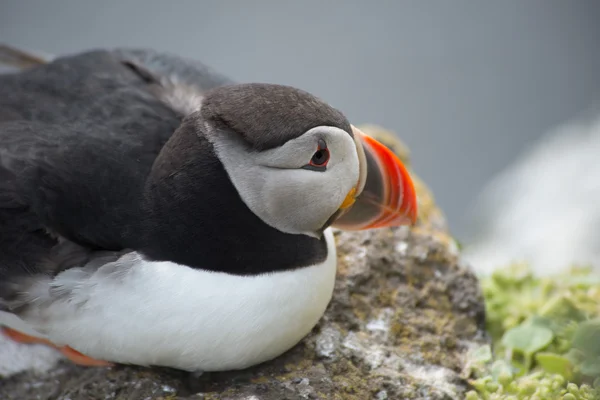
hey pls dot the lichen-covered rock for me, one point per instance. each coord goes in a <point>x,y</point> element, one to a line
<point>404,314</point>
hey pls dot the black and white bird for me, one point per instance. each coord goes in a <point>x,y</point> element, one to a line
<point>155,213</point>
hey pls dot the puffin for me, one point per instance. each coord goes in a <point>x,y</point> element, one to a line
<point>156,213</point>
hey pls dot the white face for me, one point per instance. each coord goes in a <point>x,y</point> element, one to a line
<point>282,187</point>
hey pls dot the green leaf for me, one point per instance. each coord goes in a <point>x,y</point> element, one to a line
<point>472,395</point>
<point>482,354</point>
<point>590,367</point>
<point>555,363</point>
<point>501,371</point>
<point>528,338</point>
<point>539,320</point>
<point>561,309</point>
<point>586,338</point>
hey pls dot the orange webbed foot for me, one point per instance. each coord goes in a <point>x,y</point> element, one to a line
<point>70,353</point>
<point>24,338</point>
<point>81,359</point>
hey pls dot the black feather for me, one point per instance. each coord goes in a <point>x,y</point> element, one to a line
<point>268,116</point>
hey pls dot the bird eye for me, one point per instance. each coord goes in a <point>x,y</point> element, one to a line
<point>320,158</point>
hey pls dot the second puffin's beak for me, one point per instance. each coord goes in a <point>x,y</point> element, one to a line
<point>384,196</point>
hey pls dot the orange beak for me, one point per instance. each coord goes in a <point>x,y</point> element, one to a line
<point>385,195</point>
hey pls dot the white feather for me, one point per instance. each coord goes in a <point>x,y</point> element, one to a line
<point>161,313</point>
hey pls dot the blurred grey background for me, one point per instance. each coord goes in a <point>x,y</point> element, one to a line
<point>467,85</point>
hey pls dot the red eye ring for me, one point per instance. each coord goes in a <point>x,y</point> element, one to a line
<point>320,158</point>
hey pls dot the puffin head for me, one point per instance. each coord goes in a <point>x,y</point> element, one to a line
<point>300,166</point>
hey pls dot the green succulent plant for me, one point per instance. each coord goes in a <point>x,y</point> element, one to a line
<point>545,336</point>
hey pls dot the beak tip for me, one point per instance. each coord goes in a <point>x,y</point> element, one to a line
<point>410,201</point>
<point>414,209</point>
<point>414,218</point>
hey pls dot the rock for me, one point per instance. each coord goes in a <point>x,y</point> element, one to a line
<point>404,315</point>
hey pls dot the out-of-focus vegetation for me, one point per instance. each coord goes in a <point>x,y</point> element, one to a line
<point>546,336</point>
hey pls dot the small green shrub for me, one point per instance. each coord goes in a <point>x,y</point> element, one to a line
<point>546,336</point>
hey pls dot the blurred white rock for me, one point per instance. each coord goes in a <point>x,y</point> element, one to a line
<point>545,208</point>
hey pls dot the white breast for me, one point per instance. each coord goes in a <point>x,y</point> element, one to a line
<point>160,313</point>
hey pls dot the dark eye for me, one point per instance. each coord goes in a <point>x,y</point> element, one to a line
<point>320,158</point>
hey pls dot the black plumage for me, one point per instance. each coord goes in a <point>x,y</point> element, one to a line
<point>242,109</point>
<point>79,138</point>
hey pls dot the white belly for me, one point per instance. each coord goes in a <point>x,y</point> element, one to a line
<point>160,313</point>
